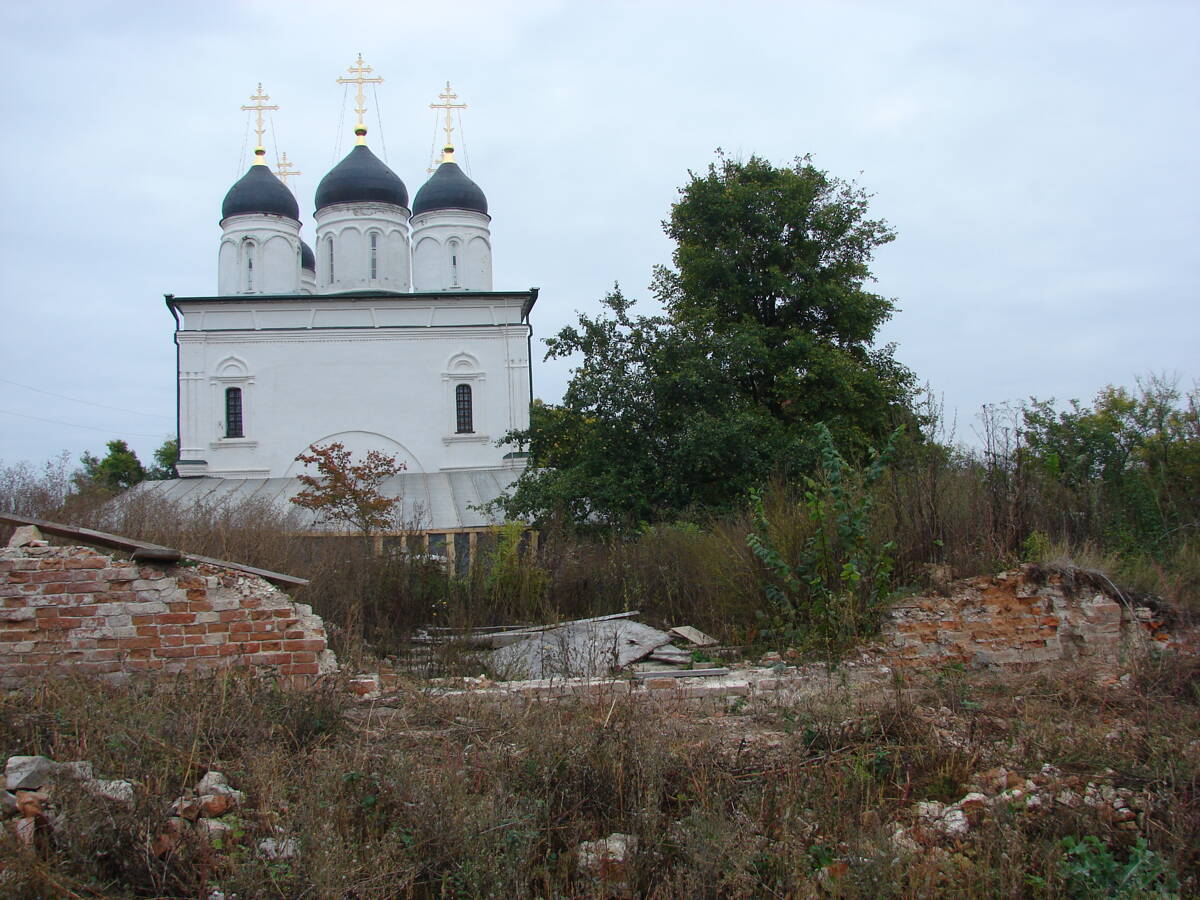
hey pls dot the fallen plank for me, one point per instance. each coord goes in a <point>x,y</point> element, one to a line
<point>496,636</point>
<point>681,673</point>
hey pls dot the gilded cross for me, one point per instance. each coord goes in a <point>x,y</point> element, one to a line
<point>358,75</point>
<point>447,97</point>
<point>258,105</point>
<point>283,169</point>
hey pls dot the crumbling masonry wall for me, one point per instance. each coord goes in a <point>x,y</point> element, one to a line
<point>1027,615</point>
<point>72,608</point>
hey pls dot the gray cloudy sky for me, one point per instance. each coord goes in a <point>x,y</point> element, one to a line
<point>1039,161</point>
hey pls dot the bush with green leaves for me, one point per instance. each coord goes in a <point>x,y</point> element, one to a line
<point>834,591</point>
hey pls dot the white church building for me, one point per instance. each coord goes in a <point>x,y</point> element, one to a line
<point>385,335</point>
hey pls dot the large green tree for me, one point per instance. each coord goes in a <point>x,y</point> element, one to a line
<point>119,469</point>
<point>768,331</point>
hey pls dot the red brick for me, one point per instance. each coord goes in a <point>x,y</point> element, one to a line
<point>84,587</point>
<point>195,629</point>
<point>218,627</point>
<point>207,650</point>
<point>256,615</point>
<point>143,665</point>
<point>78,611</point>
<point>299,669</point>
<point>310,645</point>
<point>91,562</point>
<point>304,657</point>
<point>174,618</point>
<point>137,643</point>
<point>175,652</point>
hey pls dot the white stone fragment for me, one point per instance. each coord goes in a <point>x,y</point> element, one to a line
<point>27,773</point>
<point>284,848</point>
<point>117,790</point>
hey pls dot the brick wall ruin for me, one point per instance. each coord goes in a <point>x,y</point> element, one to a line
<point>74,608</point>
<point>1028,615</point>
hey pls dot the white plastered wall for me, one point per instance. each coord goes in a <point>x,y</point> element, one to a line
<point>271,242</point>
<point>349,226</point>
<point>385,368</point>
<point>440,236</point>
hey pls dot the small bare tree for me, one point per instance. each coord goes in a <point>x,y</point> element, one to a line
<point>347,492</point>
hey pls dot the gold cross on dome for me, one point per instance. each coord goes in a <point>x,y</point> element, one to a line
<point>447,97</point>
<point>359,72</point>
<point>283,169</point>
<point>258,105</point>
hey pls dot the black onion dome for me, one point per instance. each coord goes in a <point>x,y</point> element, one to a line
<point>308,259</point>
<point>361,178</point>
<point>259,191</point>
<point>449,188</point>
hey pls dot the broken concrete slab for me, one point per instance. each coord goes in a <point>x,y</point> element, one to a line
<point>669,653</point>
<point>585,649</point>
<point>24,536</point>
<point>693,636</point>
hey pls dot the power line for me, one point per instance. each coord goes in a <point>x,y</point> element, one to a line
<point>136,412</point>
<point>74,425</point>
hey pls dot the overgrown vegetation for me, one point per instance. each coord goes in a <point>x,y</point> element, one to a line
<point>835,547</point>
<point>482,798</point>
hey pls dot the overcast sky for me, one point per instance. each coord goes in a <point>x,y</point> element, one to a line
<point>1038,160</point>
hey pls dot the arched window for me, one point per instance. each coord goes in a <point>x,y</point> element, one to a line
<point>329,250</point>
<point>248,250</point>
<point>454,250</point>
<point>462,409</point>
<point>374,255</point>
<point>233,413</point>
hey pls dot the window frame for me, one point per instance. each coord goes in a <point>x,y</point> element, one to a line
<point>235,410</point>
<point>464,409</point>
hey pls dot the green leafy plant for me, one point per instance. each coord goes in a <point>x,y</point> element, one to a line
<point>837,587</point>
<point>1090,869</point>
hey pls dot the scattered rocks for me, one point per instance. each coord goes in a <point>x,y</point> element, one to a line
<point>28,804</point>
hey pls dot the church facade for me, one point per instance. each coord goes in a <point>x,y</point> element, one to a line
<point>385,335</point>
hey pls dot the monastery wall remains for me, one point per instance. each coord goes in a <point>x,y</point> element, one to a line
<point>73,608</point>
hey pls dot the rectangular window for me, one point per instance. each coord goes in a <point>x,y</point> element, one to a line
<point>462,405</point>
<point>233,413</point>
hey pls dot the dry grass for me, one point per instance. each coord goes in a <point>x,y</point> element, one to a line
<point>475,798</point>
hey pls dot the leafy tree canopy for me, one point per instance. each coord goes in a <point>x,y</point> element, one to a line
<point>768,331</point>
<point>346,492</point>
<point>165,458</point>
<point>119,469</point>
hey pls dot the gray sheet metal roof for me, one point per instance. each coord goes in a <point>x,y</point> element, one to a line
<point>433,501</point>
